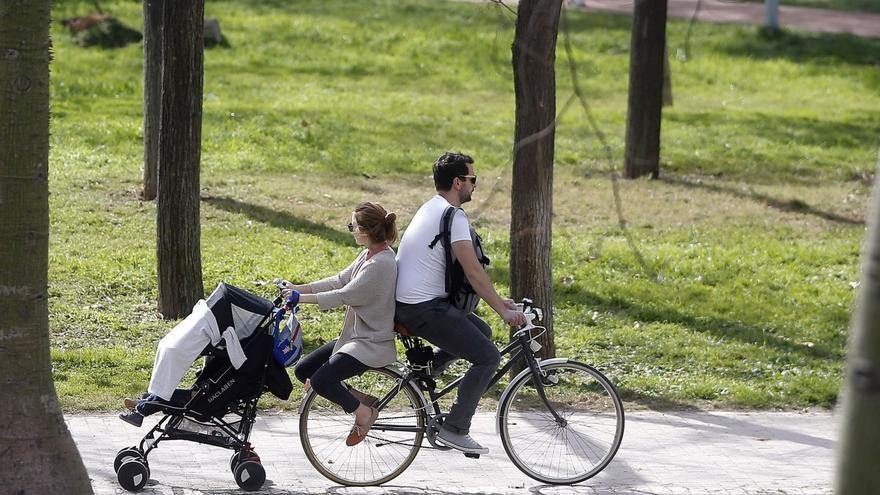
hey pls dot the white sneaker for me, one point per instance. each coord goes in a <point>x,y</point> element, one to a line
<point>460,441</point>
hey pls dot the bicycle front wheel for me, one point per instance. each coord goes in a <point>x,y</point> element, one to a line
<point>390,446</point>
<point>575,448</point>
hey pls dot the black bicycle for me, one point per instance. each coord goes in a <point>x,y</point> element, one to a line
<point>560,421</point>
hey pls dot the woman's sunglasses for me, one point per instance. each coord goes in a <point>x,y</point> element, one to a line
<point>351,227</point>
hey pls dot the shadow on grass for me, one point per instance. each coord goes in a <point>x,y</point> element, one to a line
<point>578,21</point>
<point>787,130</point>
<point>803,47</point>
<point>785,205</point>
<point>733,330</point>
<point>279,219</point>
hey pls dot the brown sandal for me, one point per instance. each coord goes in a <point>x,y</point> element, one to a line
<point>359,432</point>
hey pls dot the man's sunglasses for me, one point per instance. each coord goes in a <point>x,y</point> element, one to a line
<point>473,178</point>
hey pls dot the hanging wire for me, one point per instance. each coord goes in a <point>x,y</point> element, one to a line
<point>687,37</point>
<point>609,155</point>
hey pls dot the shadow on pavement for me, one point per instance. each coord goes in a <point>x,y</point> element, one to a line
<point>715,423</point>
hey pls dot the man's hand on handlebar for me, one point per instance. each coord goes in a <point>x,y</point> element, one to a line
<point>513,317</point>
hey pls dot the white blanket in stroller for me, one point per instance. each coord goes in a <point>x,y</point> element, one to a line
<point>182,346</point>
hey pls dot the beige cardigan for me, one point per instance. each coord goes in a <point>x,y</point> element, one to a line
<point>367,288</point>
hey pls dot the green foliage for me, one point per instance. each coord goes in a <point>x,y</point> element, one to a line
<point>747,248</point>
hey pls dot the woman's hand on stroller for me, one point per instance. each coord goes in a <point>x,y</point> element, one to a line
<point>303,292</point>
<point>289,293</point>
<point>291,297</point>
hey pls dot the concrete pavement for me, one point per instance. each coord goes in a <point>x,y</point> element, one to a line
<point>669,453</point>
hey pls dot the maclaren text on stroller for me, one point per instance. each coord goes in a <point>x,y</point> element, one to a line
<point>220,408</point>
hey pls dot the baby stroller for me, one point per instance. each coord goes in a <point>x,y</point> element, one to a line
<point>220,408</point>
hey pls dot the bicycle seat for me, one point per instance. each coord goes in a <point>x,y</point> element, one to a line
<point>399,328</point>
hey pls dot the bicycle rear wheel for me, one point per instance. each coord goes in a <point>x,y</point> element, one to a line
<point>564,452</point>
<point>390,446</point>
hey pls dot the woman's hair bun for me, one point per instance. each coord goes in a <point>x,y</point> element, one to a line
<point>390,217</point>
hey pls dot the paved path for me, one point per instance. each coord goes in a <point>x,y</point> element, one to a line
<point>677,453</point>
<point>816,20</point>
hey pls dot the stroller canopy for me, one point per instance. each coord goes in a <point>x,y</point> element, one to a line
<point>237,308</point>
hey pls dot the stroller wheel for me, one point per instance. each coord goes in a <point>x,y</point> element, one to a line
<point>133,474</point>
<point>125,454</point>
<point>250,475</point>
<point>242,455</point>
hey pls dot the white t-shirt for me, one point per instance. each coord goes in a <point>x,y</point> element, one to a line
<point>421,271</point>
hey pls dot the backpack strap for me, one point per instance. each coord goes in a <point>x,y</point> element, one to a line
<point>445,228</point>
<point>445,236</point>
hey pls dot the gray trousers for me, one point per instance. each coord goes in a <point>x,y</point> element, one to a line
<point>460,335</point>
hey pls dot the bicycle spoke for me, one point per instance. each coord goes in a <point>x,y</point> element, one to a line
<point>578,448</point>
<point>388,448</point>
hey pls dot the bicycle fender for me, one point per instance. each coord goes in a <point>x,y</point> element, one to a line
<point>391,368</point>
<point>302,404</point>
<point>517,377</point>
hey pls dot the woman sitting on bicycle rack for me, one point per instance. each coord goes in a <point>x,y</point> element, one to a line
<point>366,287</point>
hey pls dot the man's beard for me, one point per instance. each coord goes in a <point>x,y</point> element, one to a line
<point>464,197</point>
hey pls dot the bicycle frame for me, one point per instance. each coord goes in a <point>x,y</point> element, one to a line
<point>518,349</point>
<point>588,429</point>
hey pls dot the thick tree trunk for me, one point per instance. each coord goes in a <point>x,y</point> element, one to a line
<point>857,454</point>
<point>180,133</point>
<point>534,76</point>
<point>152,94</point>
<point>38,453</point>
<point>647,56</point>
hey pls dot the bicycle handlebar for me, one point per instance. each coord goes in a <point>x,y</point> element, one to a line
<point>531,312</point>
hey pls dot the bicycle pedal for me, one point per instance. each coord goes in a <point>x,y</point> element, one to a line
<point>472,456</point>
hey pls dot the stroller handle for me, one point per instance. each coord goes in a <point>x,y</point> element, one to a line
<point>292,299</point>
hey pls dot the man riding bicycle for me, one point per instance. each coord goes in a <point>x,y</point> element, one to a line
<point>422,297</point>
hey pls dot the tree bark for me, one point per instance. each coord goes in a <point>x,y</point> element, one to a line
<point>38,453</point>
<point>177,225</point>
<point>534,75</point>
<point>152,94</point>
<point>647,56</point>
<point>857,454</point>
<point>667,79</point>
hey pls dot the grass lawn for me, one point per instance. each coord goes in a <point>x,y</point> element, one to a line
<point>729,285</point>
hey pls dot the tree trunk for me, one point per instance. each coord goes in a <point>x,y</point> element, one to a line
<point>667,79</point>
<point>38,453</point>
<point>857,454</point>
<point>534,77</point>
<point>177,223</point>
<point>152,94</point>
<point>647,56</point>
